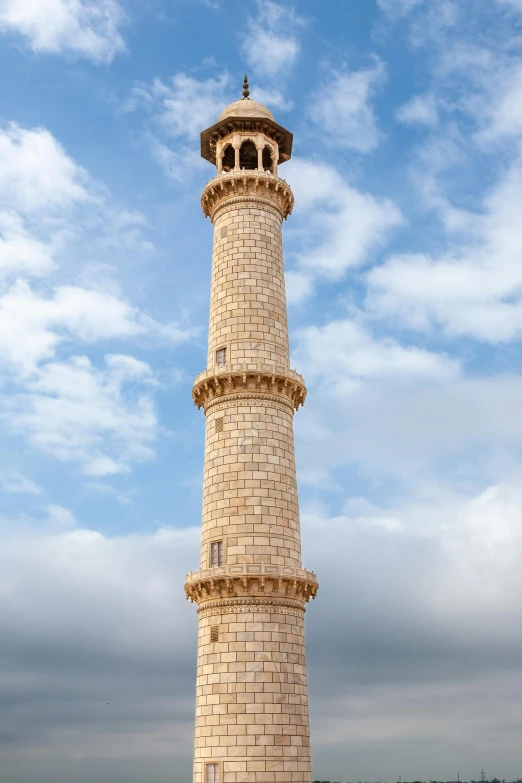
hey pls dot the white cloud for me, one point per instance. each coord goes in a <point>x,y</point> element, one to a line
<point>501,113</point>
<point>103,419</point>
<point>176,160</point>
<point>493,522</point>
<point>36,174</point>
<point>50,208</point>
<point>342,108</point>
<point>342,354</point>
<point>104,466</point>
<point>184,106</point>
<point>60,516</point>
<point>20,251</point>
<point>419,110</point>
<point>517,4</point>
<point>42,193</point>
<point>32,326</point>
<point>49,204</point>
<point>271,45</point>
<point>15,482</point>
<point>398,7</point>
<point>470,287</point>
<point>412,429</point>
<point>180,109</point>
<point>473,528</point>
<point>271,98</point>
<point>480,78</point>
<point>299,286</point>
<point>339,227</point>
<point>87,28</point>
<point>472,290</point>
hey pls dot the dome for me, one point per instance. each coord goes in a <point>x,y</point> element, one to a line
<point>246,108</point>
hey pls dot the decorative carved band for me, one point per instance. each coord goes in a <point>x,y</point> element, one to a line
<point>254,184</point>
<point>222,403</point>
<point>226,381</point>
<point>251,606</point>
<point>256,201</point>
<point>251,580</point>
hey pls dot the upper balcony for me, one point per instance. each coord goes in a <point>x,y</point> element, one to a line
<point>275,379</point>
<point>247,184</point>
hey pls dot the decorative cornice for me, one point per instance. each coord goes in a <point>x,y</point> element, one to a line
<point>272,380</point>
<point>252,606</point>
<point>251,580</point>
<point>230,125</point>
<point>251,185</point>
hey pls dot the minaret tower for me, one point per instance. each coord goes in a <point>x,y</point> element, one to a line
<point>252,721</point>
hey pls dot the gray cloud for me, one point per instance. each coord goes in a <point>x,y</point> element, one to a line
<point>410,646</point>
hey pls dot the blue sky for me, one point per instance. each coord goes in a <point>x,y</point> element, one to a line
<point>404,280</point>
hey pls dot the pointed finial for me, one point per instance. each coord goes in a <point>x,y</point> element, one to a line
<point>246,91</point>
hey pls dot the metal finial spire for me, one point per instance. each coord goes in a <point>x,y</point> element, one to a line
<point>246,91</point>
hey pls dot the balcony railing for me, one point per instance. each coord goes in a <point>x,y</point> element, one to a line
<point>250,367</point>
<point>252,569</point>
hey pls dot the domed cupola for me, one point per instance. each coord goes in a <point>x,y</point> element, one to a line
<point>246,136</point>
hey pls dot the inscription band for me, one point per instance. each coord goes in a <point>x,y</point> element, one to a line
<point>251,605</point>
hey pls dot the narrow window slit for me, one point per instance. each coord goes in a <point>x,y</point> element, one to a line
<point>214,633</point>
<point>212,773</point>
<point>216,554</point>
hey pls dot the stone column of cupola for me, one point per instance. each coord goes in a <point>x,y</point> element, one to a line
<point>236,141</point>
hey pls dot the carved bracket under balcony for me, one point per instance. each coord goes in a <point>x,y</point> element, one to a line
<point>236,581</point>
<point>254,184</point>
<point>225,381</point>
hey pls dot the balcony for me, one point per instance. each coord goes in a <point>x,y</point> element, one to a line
<point>263,378</point>
<point>251,579</point>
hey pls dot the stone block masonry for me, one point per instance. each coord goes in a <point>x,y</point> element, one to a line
<point>248,306</point>
<point>252,722</point>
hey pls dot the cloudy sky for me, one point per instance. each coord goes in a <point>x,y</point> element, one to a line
<point>404,275</point>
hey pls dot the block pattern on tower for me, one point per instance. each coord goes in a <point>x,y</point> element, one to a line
<point>248,303</point>
<point>250,491</point>
<point>252,706</point>
<point>252,723</point>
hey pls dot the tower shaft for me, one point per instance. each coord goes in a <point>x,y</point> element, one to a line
<point>252,722</point>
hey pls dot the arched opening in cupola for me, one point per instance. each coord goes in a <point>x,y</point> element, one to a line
<point>268,161</point>
<point>248,156</point>
<point>229,161</point>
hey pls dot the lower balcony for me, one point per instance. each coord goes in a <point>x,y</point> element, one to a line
<point>250,377</point>
<point>251,579</point>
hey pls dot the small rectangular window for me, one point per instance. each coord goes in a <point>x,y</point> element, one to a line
<point>221,357</point>
<point>219,424</point>
<point>224,232</point>
<point>212,773</point>
<point>214,633</point>
<point>216,553</point>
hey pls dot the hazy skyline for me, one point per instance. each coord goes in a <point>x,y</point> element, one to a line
<point>404,277</point>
